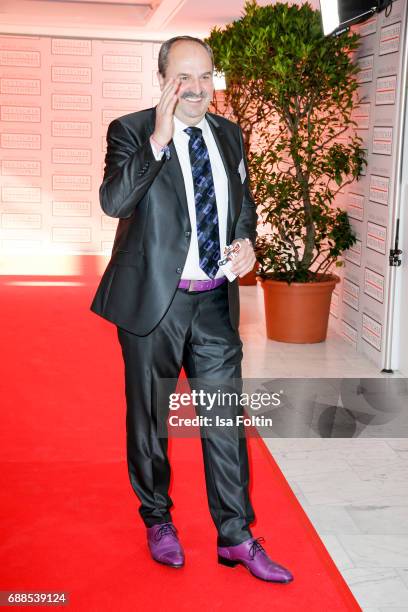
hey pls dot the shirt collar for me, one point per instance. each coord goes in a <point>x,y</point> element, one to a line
<point>179,126</point>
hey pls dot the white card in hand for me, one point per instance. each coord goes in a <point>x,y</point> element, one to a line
<point>226,268</point>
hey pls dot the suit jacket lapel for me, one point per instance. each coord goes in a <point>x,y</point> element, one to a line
<point>229,164</point>
<point>172,166</point>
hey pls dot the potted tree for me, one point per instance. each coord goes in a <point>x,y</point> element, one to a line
<point>293,92</point>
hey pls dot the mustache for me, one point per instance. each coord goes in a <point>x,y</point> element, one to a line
<point>190,94</point>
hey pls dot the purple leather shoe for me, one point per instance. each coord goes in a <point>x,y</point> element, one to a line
<point>164,544</point>
<point>253,556</point>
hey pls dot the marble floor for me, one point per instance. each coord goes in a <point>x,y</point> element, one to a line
<point>354,490</point>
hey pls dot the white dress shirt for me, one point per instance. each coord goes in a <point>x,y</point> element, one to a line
<point>192,268</point>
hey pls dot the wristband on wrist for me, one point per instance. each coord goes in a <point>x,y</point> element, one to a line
<point>161,147</point>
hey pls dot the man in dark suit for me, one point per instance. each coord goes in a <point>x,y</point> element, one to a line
<point>176,176</point>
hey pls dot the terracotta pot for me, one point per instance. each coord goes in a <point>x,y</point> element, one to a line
<point>248,279</point>
<point>298,312</point>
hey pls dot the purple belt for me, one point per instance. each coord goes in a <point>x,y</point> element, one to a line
<point>201,285</point>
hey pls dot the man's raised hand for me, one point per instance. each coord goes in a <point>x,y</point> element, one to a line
<point>163,131</point>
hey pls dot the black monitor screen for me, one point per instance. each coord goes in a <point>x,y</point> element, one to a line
<point>338,12</point>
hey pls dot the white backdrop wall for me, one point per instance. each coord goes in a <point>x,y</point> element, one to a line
<point>359,303</point>
<point>57,97</point>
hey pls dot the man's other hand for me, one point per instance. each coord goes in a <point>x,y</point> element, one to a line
<point>244,260</point>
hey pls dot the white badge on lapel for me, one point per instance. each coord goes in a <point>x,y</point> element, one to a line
<point>241,170</point>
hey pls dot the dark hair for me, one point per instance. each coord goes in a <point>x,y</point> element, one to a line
<point>163,60</point>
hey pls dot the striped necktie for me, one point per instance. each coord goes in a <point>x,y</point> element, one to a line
<point>205,203</point>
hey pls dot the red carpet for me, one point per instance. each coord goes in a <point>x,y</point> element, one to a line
<point>69,519</point>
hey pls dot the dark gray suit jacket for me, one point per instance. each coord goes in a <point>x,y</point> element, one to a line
<point>153,234</point>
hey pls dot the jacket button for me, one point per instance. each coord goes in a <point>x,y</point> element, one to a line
<point>187,234</point>
<point>178,270</point>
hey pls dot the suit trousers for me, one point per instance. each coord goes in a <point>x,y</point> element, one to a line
<point>195,333</point>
